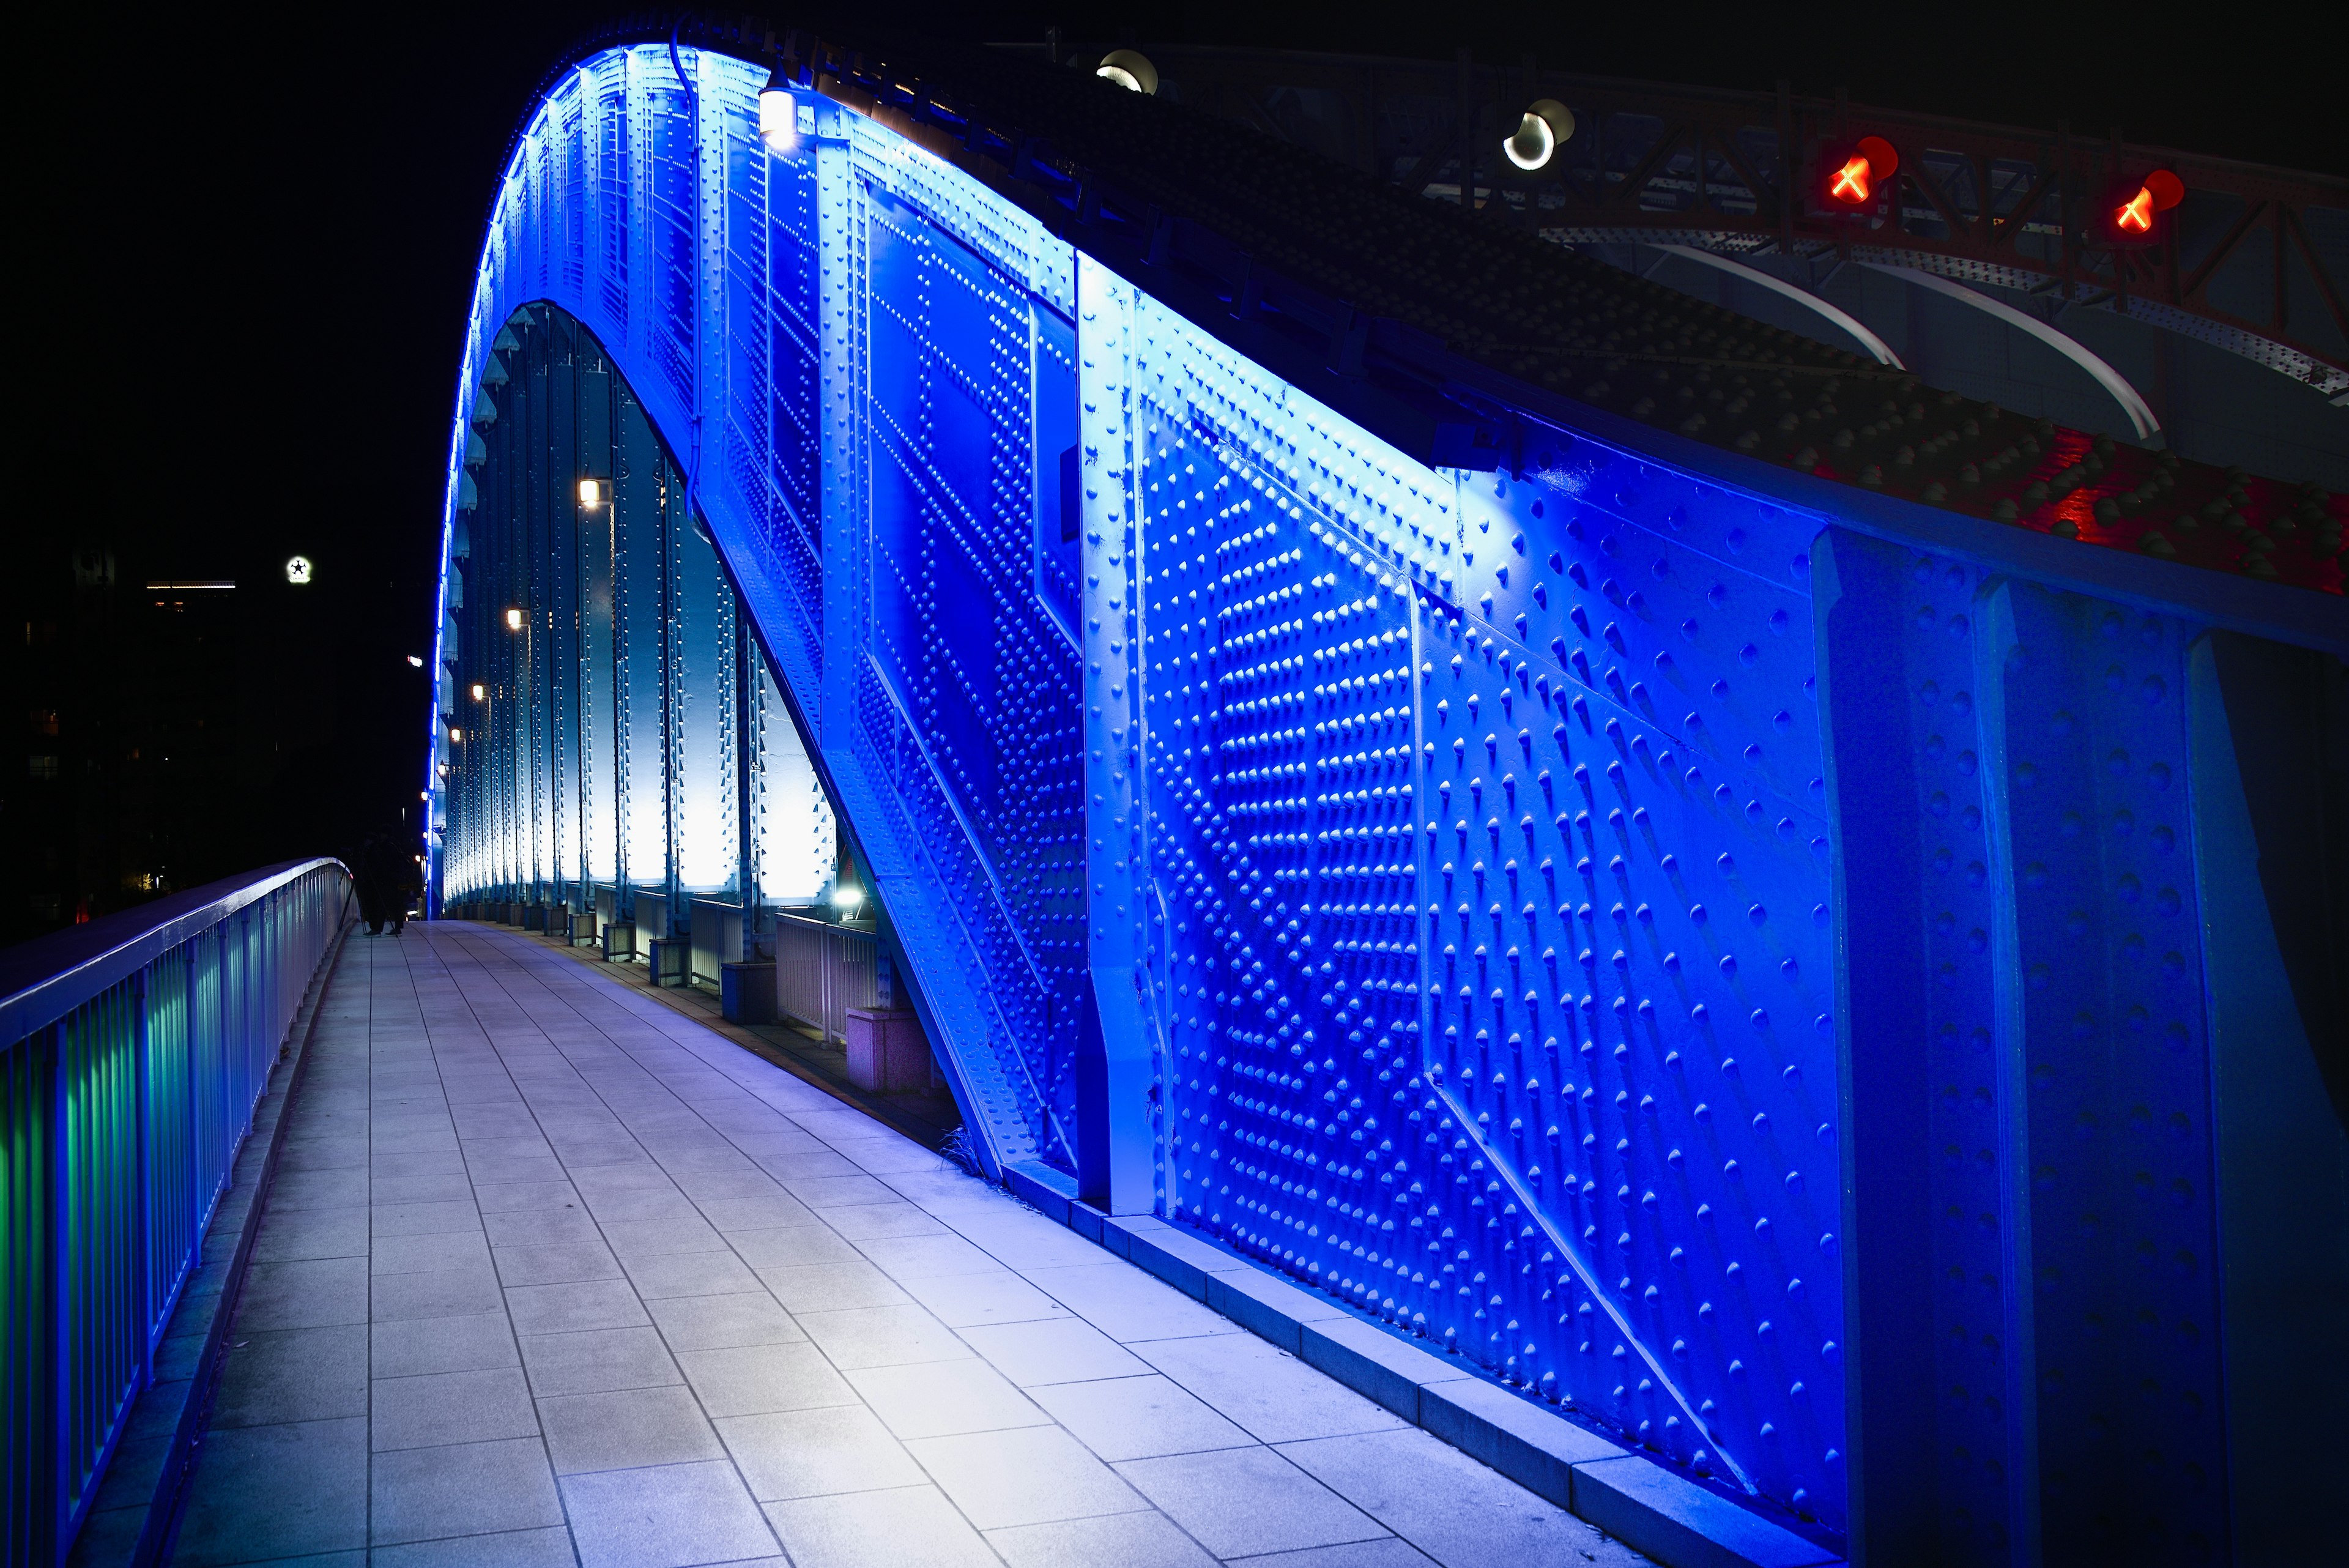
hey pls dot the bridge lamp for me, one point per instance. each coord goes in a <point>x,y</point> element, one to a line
<point>414,662</point>
<point>298,570</point>
<point>481,693</point>
<point>847,899</point>
<point>1545,125</point>
<point>779,114</point>
<point>457,736</point>
<point>1130,69</point>
<point>513,620</point>
<point>591,494</point>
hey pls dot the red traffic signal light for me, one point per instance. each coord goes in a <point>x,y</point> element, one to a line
<point>1852,175</point>
<point>2132,209</point>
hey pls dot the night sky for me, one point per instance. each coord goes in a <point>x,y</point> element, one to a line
<point>243,249</point>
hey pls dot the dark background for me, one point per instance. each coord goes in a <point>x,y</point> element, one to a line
<point>243,248</point>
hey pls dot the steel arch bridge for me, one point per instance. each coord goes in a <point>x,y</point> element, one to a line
<point>1807,981</point>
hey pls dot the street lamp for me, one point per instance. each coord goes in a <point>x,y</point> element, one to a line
<point>779,114</point>
<point>591,494</point>
<point>481,693</point>
<point>513,620</point>
<point>1546,125</point>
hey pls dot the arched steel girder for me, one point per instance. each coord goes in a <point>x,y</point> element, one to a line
<point>1521,904</point>
<point>2133,404</point>
<point>1826,310</point>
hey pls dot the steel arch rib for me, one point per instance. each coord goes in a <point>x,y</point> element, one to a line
<point>1449,863</point>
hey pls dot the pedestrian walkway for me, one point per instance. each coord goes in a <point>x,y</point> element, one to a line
<point>552,1274</point>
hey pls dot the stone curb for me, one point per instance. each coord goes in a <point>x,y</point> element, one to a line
<point>136,1512</point>
<point>1639,1502</point>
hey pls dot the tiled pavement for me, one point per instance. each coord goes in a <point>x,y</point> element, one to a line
<point>552,1274</point>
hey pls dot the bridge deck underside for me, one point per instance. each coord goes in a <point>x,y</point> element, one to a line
<point>552,1274</point>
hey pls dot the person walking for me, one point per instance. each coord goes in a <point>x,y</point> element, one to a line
<point>366,871</point>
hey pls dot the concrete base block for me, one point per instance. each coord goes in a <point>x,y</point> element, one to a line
<point>886,1053</point>
<point>746,993</point>
<point>619,941</point>
<point>671,958</point>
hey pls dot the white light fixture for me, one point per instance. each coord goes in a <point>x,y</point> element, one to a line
<point>1130,69</point>
<point>847,897</point>
<point>479,692</point>
<point>297,569</point>
<point>513,620</point>
<point>458,736</point>
<point>1545,125</point>
<point>591,494</point>
<point>779,114</point>
<point>414,662</point>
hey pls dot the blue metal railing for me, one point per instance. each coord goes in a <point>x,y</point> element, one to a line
<point>133,1051</point>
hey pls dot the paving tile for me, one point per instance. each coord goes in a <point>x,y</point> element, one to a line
<point>426,1254</point>
<point>904,1258</point>
<point>723,1323</point>
<point>513,1197</point>
<point>793,1247</point>
<point>1029,1475</point>
<point>597,1360</point>
<point>774,1212</point>
<point>833,1286</point>
<point>1147,1540</point>
<point>665,1517</point>
<point>839,1192</point>
<point>1022,1240</point>
<point>1267,1390</point>
<point>341,1187</point>
<point>1053,1350</point>
<point>881,1336</point>
<point>444,1407</point>
<point>423,1219</point>
<point>549,1548</point>
<point>939,1399</point>
<point>690,1274</point>
<point>1126,1304</point>
<point>565,1263</point>
<point>315,1293</point>
<point>444,1163</point>
<point>469,1489</point>
<point>287,1234</point>
<point>627,1429</point>
<point>1138,1418</point>
<point>443,1293</point>
<point>1385,1553</point>
<point>960,1301</point>
<point>415,1347</point>
<point>633,1239</point>
<point>293,1375</point>
<point>814,1453</point>
<point>583,1305</point>
<point>878,1530</point>
<point>753,1379</point>
<point>1241,1501</point>
<point>276,1491</point>
<point>892,1215</point>
<point>1442,1502</point>
<point>444,1186</point>
<point>564,1225</point>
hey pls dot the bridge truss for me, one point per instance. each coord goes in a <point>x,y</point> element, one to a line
<point>1771,968</point>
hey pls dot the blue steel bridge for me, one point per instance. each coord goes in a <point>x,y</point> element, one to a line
<point>1755,945</point>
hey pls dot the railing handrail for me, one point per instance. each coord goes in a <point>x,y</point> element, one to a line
<point>43,979</point>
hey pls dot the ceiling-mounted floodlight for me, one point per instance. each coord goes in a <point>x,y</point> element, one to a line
<point>1130,69</point>
<point>779,113</point>
<point>1545,125</point>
